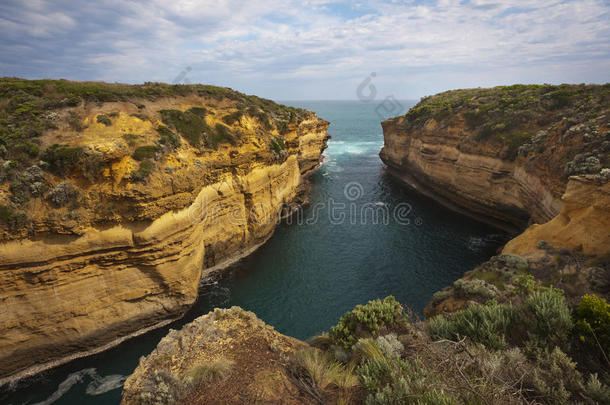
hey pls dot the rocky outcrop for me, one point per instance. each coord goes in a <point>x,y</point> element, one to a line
<point>126,250</point>
<point>583,225</point>
<point>228,356</point>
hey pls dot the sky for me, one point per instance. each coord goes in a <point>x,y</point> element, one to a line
<point>313,49</point>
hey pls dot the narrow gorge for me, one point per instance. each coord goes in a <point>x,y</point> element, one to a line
<point>137,192</point>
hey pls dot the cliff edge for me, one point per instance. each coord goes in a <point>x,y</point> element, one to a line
<point>116,199</point>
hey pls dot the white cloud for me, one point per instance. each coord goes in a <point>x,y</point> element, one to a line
<point>312,49</point>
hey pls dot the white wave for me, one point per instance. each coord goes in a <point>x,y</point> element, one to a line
<point>354,148</point>
<point>98,386</point>
<point>105,384</point>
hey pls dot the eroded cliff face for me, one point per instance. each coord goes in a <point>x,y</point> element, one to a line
<point>504,154</point>
<point>128,248</point>
<point>531,159</point>
<point>433,160</point>
<point>583,224</point>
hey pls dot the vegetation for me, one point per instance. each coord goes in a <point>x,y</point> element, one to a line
<point>486,324</point>
<point>131,139</point>
<point>221,134</point>
<point>316,373</point>
<point>145,152</point>
<point>507,113</point>
<point>500,353</point>
<point>168,138</point>
<point>12,218</point>
<point>145,169</point>
<point>230,119</point>
<point>104,119</point>
<point>210,372</point>
<point>367,320</point>
<point>62,159</point>
<point>190,124</point>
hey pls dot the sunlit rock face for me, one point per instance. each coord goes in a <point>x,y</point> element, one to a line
<point>128,252</point>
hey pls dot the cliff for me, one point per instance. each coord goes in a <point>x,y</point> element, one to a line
<point>532,159</point>
<point>116,199</point>
<point>504,154</point>
<point>228,356</point>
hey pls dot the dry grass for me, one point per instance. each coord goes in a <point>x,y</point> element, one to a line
<point>211,372</point>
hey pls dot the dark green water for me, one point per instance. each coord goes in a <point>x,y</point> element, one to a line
<point>315,269</point>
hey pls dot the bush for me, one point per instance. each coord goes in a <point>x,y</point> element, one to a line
<point>190,124</point>
<point>389,345</point>
<point>62,159</point>
<point>75,121</point>
<point>93,165</point>
<point>210,372</point>
<point>12,219</point>
<point>145,169</point>
<point>229,119</point>
<point>547,318</point>
<point>592,322</point>
<point>475,287</point>
<point>63,194</point>
<point>221,134</point>
<point>394,382</point>
<point>323,371</point>
<point>167,137</point>
<point>131,139</point>
<point>367,320</point>
<point>486,324</point>
<point>104,119</point>
<point>145,152</point>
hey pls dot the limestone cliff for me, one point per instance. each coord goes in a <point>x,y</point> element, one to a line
<point>126,196</point>
<point>515,156</point>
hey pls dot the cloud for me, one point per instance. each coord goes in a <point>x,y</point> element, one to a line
<point>310,49</point>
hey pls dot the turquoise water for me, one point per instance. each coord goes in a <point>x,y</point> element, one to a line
<point>335,255</point>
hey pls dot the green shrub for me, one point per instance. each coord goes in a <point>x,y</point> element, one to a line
<point>525,284</point>
<point>277,145</point>
<point>12,219</point>
<point>198,111</point>
<point>62,194</point>
<point>93,165</point>
<point>547,318</point>
<point>19,191</point>
<point>62,159</point>
<point>140,116</point>
<point>131,139</point>
<point>394,382</point>
<point>367,320</point>
<point>145,152</point>
<point>486,324</point>
<point>104,119</point>
<point>190,124</point>
<point>597,390</point>
<point>475,287</point>
<point>145,169</point>
<point>592,322</point>
<point>221,134</point>
<point>75,121</point>
<point>167,137</point>
<point>229,119</point>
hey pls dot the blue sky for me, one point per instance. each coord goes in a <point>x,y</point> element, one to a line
<point>315,49</point>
